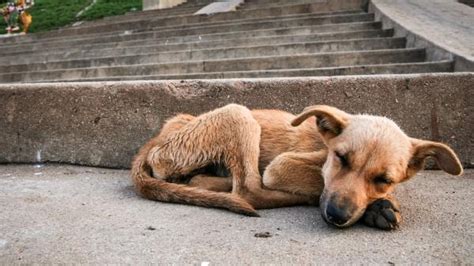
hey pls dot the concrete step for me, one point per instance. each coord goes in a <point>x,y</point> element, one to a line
<point>153,46</point>
<point>104,123</point>
<point>259,4</point>
<point>263,11</point>
<point>215,27</point>
<point>240,64</point>
<point>235,21</point>
<point>210,54</point>
<point>208,23</point>
<point>182,20</point>
<point>397,68</point>
<point>173,36</point>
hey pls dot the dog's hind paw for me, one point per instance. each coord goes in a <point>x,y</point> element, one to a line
<point>383,214</point>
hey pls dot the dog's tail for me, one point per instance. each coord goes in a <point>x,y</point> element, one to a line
<point>160,190</point>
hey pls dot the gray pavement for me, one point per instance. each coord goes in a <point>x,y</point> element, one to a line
<point>70,214</point>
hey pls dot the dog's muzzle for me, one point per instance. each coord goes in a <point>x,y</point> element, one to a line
<point>337,212</point>
<point>336,216</point>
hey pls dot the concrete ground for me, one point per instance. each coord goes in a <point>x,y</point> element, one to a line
<point>69,214</point>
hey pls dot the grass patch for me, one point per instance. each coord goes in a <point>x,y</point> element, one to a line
<point>53,14</point>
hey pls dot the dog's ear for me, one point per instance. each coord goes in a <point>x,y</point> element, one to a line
<point>330,120</point>
<point>444,156</point>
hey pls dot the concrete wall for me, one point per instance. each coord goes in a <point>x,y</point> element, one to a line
<point>103,124</point>
<point>160,4</point>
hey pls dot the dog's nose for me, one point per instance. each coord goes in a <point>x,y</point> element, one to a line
<point>336,216</point>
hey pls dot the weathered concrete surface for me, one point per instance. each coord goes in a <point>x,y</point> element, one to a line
<point>445,28</point>
<point>214,53</point>
<point>220,7</point>
<point>400,68</point>
<point>103,124</point>
<point>157,46</point>
<point>285,61</point>
<point>64,214</point>
<point>183,36</point>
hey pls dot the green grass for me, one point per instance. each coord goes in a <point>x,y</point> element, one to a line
<point>53,14</point>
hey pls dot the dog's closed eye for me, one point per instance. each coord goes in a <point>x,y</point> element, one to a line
<point>382,179</point>
<point>343,159</point>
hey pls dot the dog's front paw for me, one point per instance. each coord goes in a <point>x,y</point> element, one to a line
<point>383,214</point>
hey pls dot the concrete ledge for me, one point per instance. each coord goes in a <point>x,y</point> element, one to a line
<point>103,124</point>
<point>444,28</point>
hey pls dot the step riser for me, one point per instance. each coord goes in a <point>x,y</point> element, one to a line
<point>315,61</point>
<point>218,36</point>
<point>216,54</point>
<point>291,62</point>
<point>382,69</point>
<point>150,46</point>
<point>438,67</point>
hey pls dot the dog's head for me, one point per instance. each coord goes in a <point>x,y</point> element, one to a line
<point>367,157</point>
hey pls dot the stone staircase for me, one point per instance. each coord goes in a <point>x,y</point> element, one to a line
<point>262,39</point>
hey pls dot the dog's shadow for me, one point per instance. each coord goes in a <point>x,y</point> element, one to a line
<point>127,191</point>
<point>301,218</point>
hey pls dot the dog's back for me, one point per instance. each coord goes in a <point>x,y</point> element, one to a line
<point>279,136</point>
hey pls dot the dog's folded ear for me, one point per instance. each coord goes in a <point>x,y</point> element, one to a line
<point>444,156</point>
<point>330,120</point>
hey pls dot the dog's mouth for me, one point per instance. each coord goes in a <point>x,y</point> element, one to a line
<point>350,222</point>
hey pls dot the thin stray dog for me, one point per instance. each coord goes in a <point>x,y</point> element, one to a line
<point>243,160</point>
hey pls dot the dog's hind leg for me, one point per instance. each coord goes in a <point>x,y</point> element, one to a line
<point>213,138</point>
<point>228,135</point>
<point>183,148</point>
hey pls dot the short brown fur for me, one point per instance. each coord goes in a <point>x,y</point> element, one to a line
<point>350,163</point>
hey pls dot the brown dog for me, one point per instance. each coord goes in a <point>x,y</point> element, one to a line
<point>244,160</point>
